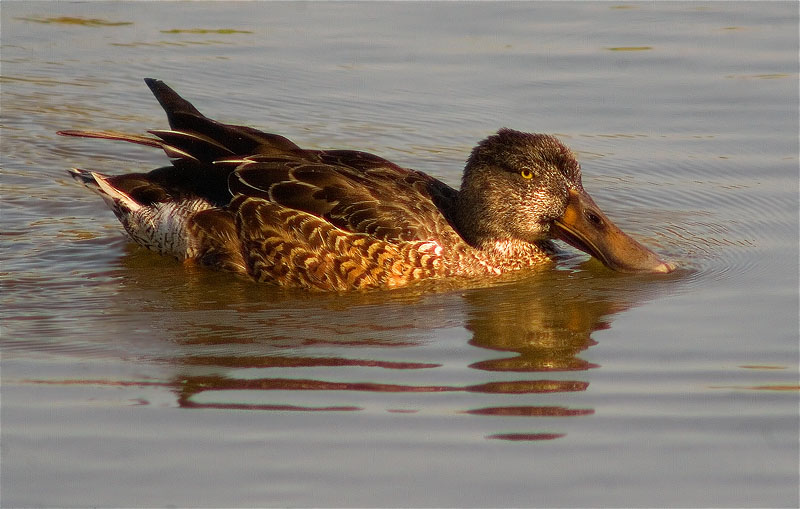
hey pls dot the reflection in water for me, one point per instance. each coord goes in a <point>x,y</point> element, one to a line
<point>544,319</point>
<point>531,411</point>
<point>546,326</point>
<point>289,362</point>
<point>517,437</point>
<point>274,344</point>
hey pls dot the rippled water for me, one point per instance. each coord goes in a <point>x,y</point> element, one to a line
<point>130,380</point>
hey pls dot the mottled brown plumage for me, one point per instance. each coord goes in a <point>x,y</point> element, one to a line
<point>254,203</point>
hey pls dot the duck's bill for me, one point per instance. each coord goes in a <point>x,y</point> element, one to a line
<point>585,227</point>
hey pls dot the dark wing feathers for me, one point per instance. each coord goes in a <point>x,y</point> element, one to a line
<point>172,103</point>
<point>386,202</point>
<point>242,140</point>
<point>199,146</point>
<point>356,159</point>
<point>354,191</point>
<point>185,179</point>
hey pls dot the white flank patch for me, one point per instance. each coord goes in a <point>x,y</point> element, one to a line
<point>162,227</point>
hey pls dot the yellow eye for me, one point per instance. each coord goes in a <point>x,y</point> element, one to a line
<point>526,173</point>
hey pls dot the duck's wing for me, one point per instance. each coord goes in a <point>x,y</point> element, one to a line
<point>354,191</point>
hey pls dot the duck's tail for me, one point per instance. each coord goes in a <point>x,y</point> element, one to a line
<point>97,182</point>
<point>161,226</point>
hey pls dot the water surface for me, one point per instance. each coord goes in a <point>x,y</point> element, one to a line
<point>131,380</point>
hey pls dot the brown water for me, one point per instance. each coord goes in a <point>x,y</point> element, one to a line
<point>130,380</point>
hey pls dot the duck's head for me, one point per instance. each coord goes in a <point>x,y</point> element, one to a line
<point>527,187</point>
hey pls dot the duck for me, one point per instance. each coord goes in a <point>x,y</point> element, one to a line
<point>252,203</point>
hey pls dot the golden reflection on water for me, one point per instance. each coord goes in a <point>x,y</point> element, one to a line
<point>546,327</point>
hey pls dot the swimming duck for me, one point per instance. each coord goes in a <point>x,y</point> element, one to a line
<point>254,203</point>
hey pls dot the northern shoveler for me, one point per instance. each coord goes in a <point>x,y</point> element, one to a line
<point>254,203</point>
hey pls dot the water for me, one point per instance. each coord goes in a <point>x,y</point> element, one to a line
<point>130,380</point>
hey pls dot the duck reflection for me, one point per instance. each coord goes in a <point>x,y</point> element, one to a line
<point>546,323</point>
<point>230,336</point>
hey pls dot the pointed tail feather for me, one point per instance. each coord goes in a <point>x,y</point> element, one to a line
<point>170,100</point>
<point>113,135</point>
<point>161,226</point>
<point>98,183</point>
<point>84,177</point>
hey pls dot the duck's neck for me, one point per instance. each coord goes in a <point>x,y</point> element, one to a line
<point>471,220</point>
<point>493,249</point>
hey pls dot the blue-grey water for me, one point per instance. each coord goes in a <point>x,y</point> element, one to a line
<point>129,380</point>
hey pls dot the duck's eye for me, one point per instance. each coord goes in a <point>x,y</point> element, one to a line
<point>526,173</point>
<point>593,218</point>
